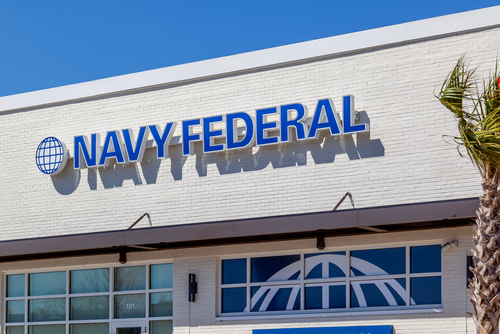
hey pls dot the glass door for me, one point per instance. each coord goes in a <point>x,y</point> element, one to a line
<point>129,327</point>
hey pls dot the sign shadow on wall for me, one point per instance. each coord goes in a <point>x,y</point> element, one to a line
<point>66,182</point>
<point>323,150</point>
<point>114,175</point>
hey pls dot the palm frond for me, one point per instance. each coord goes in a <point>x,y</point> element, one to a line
<point>477,113</point>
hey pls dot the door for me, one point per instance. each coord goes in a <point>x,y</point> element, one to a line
<point>129,327</point>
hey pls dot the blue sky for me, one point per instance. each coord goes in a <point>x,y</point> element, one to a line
<point>52,43</point>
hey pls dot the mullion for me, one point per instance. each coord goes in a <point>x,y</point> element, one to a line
<point>302,275</point>
<point>67,296</point>
<point>249,291</point>
<point>347,280</point>
<point>26,286</point>
<point>68,306</point>
<point>407,277</point>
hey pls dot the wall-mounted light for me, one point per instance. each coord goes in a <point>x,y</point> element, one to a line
<point>449,244</point>
<point>193,287</point>
<point>320,242</point>
<point>470,264</point>
<point>123,257</point>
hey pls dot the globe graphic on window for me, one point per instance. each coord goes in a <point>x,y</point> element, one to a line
<point>51,156</point>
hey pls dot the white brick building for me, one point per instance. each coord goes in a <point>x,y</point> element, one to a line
<point>249,222</point>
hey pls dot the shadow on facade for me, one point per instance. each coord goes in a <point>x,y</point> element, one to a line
<point>322,150</point>
<point>66,182</point>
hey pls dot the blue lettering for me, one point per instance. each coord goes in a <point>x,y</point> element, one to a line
<point>81,145</point>
<point>232,131</point>
<point>209,135</point>
<point>162,141</point>
<point>327,120</point>
<point>112,149</point>
<point>135,154</point>
<point>350,116</point>
<point>297,123</point>
<point>292,119</point>
<point>187,136</point>
<point>263,127</point>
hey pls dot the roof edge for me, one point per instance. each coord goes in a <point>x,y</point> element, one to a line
<point>369,39</point>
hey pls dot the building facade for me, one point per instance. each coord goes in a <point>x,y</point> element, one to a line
<point>236,165</point>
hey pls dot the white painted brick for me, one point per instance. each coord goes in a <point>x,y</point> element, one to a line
<point>394,86</point>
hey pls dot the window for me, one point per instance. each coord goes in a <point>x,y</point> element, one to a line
<point>88,300</point>
<point>384,278</point>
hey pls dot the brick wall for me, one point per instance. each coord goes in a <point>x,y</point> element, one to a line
<point>404,159</point>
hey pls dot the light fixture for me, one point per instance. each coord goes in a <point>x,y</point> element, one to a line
<point>123,257</point>
<point>320,242</point>
<point>193,287</point>
<point>449,244</point>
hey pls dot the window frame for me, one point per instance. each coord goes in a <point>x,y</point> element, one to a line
<point>111,295</point>
<point>302,283</point>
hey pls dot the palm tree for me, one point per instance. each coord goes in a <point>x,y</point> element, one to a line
<point>478,116</point>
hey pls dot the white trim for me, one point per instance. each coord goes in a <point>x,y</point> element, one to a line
<point>392,35</point>
<point>328,249</point>
<point>329,315</point>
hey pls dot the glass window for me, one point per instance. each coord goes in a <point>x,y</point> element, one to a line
<point>378,293</point>
<point>14,330</point>
<point>47,329</point>
<point>325,296</point>
<point>42,284</point>
<point>335,281</point>
<point>161,327</point>
<point>325,265</point>
<point>53,309</point>
<point>15,311</point>
<point>275,298</point>
<point>130,278</point>
<point>425,290</point>
<point>275,268</point>
<point>160,304</point>
<point>102,328</point>
<point>130,306</point>
<point>425,259</point>
<point>234,271</point>
<point>89,308</point>
<point>80,301</point>
<point>90,280</point>
<point>234,300</point>
<point>314,297</point>
<point>376,262</point>
<point>15,285</point>
<point>162,276</point>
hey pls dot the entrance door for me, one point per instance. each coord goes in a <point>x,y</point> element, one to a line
<point>129,327</point>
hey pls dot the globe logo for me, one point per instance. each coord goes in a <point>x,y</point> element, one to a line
<point>51,156</point>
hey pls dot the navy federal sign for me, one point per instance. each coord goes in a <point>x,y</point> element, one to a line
<point>233,131</point>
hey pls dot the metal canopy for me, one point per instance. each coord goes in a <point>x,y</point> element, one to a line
<point>310,225</point>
